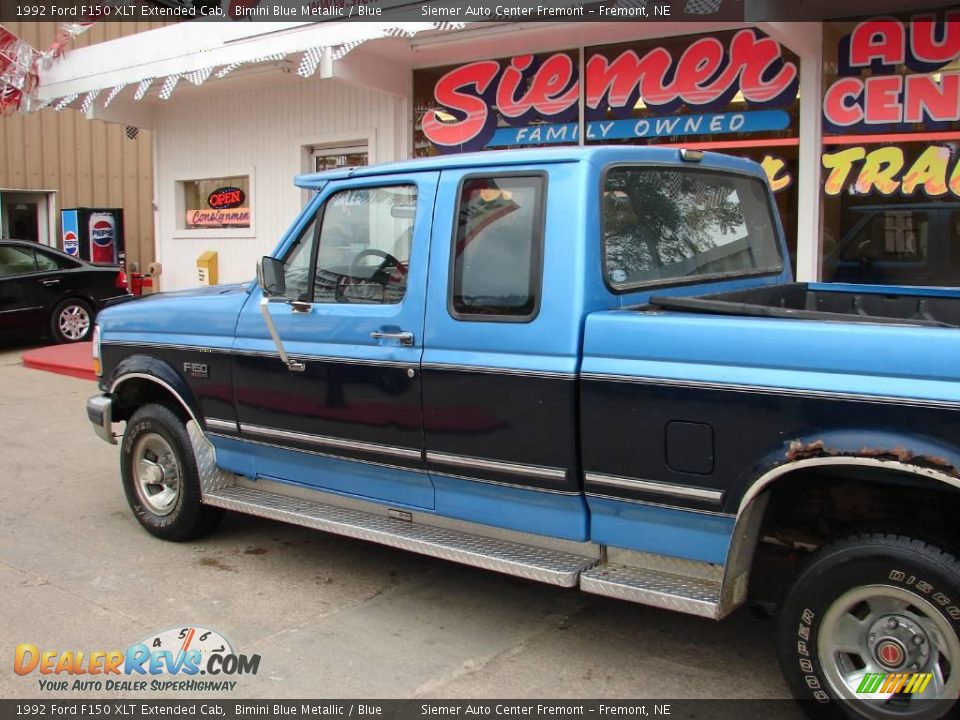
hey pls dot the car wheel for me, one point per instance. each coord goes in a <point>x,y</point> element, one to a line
<point>160,476</point>
<point>870,630</point>
<point>72,321</point>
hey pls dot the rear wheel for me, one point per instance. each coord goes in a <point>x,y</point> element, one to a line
<point>71,321</point>
<point>160,476</point>
<point>870,630</point>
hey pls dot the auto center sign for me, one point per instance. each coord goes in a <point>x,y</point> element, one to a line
<point>894,80</point>
<point>537,98</point>
<point>887,100</point>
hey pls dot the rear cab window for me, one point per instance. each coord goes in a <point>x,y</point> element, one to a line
<point>665,226</point>
<point>496,261</point>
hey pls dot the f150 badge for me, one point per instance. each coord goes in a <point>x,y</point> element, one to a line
<point>196,369</point>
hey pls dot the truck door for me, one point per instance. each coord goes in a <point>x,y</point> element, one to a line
<point>501,349</point>
<point>346,414</point>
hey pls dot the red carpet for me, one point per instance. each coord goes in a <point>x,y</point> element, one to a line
<point>73,359</point>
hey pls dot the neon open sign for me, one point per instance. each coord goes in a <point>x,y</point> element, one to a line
<point>225,198</point>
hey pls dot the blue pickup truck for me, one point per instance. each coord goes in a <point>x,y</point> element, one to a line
<point>587,367</point>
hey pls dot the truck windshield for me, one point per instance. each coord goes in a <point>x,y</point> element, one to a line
<point>666,226</point>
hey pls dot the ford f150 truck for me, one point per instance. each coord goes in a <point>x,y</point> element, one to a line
<point>588,367</point>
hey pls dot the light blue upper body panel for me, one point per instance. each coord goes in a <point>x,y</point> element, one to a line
<point>202,317</point>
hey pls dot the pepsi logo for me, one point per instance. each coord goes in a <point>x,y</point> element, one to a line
<point>70,244</point>
<point>101,232</point>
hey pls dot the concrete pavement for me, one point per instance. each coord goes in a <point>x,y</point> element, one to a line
<point>330,617</point>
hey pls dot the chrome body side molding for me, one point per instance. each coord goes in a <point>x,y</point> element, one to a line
<point>333,443</point>
<point>463,461</point>
<point>687,492</point>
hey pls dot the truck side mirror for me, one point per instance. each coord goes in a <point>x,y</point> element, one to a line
<point>270,276</point>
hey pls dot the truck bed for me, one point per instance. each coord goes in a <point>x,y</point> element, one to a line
<point>807,301</point>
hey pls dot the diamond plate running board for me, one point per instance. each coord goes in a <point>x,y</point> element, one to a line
<point>681,593</point>
<point>526,561</point>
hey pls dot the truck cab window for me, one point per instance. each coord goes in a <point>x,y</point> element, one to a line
<point>497,248</point>
<point>365,242</point>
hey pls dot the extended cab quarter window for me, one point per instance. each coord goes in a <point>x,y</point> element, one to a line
<point>663,226</point>
<point>497,248</point>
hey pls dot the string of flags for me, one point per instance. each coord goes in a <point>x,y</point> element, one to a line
<point>17,94</point>
<point>17,76</point>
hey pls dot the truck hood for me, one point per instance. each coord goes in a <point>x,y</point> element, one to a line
<point>201,316</point>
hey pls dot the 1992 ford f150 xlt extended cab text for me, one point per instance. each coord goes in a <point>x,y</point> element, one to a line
<point>588,367</point>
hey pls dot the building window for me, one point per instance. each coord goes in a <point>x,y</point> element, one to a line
<point>497,249</point>
<point>335,158</point>
<point>212,203</point>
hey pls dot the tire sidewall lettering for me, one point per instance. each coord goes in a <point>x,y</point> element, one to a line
<point>130,437</point>
<point>930,585</point>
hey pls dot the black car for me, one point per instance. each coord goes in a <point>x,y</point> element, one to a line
<point>43,290</point>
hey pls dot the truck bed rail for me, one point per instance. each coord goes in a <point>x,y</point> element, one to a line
<point>800,302</point>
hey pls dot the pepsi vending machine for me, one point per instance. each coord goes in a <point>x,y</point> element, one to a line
<point>93,234</point>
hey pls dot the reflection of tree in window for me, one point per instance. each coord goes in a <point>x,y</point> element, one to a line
<point>661,224</point>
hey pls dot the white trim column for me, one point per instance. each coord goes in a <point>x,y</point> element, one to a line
<point>809,192</point>
<point>806,40</point>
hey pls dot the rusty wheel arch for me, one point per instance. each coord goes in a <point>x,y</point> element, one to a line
<point>812,456</point>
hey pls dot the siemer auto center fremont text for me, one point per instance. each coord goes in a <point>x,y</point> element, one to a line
<point>514,12</point>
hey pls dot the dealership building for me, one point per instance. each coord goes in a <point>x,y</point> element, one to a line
<point>856,121</point>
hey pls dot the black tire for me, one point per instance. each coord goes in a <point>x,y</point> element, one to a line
<point>186,517</point>
<point>911,568</point>
<point>82,310</point>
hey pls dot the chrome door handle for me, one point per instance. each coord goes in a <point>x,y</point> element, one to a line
<point>51,281</point>
<point>299,306</point>
<point>404,338</point>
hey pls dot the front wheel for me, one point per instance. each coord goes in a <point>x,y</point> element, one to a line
<point>870,630</point>
<point>160,477</point>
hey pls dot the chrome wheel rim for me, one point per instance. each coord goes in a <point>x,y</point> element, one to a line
<point>74,322</point>
<point>156,474</point>
<point>886,630</point>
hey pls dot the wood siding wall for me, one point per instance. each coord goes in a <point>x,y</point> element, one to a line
<point>262,132</point>
<point>89,163</point>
